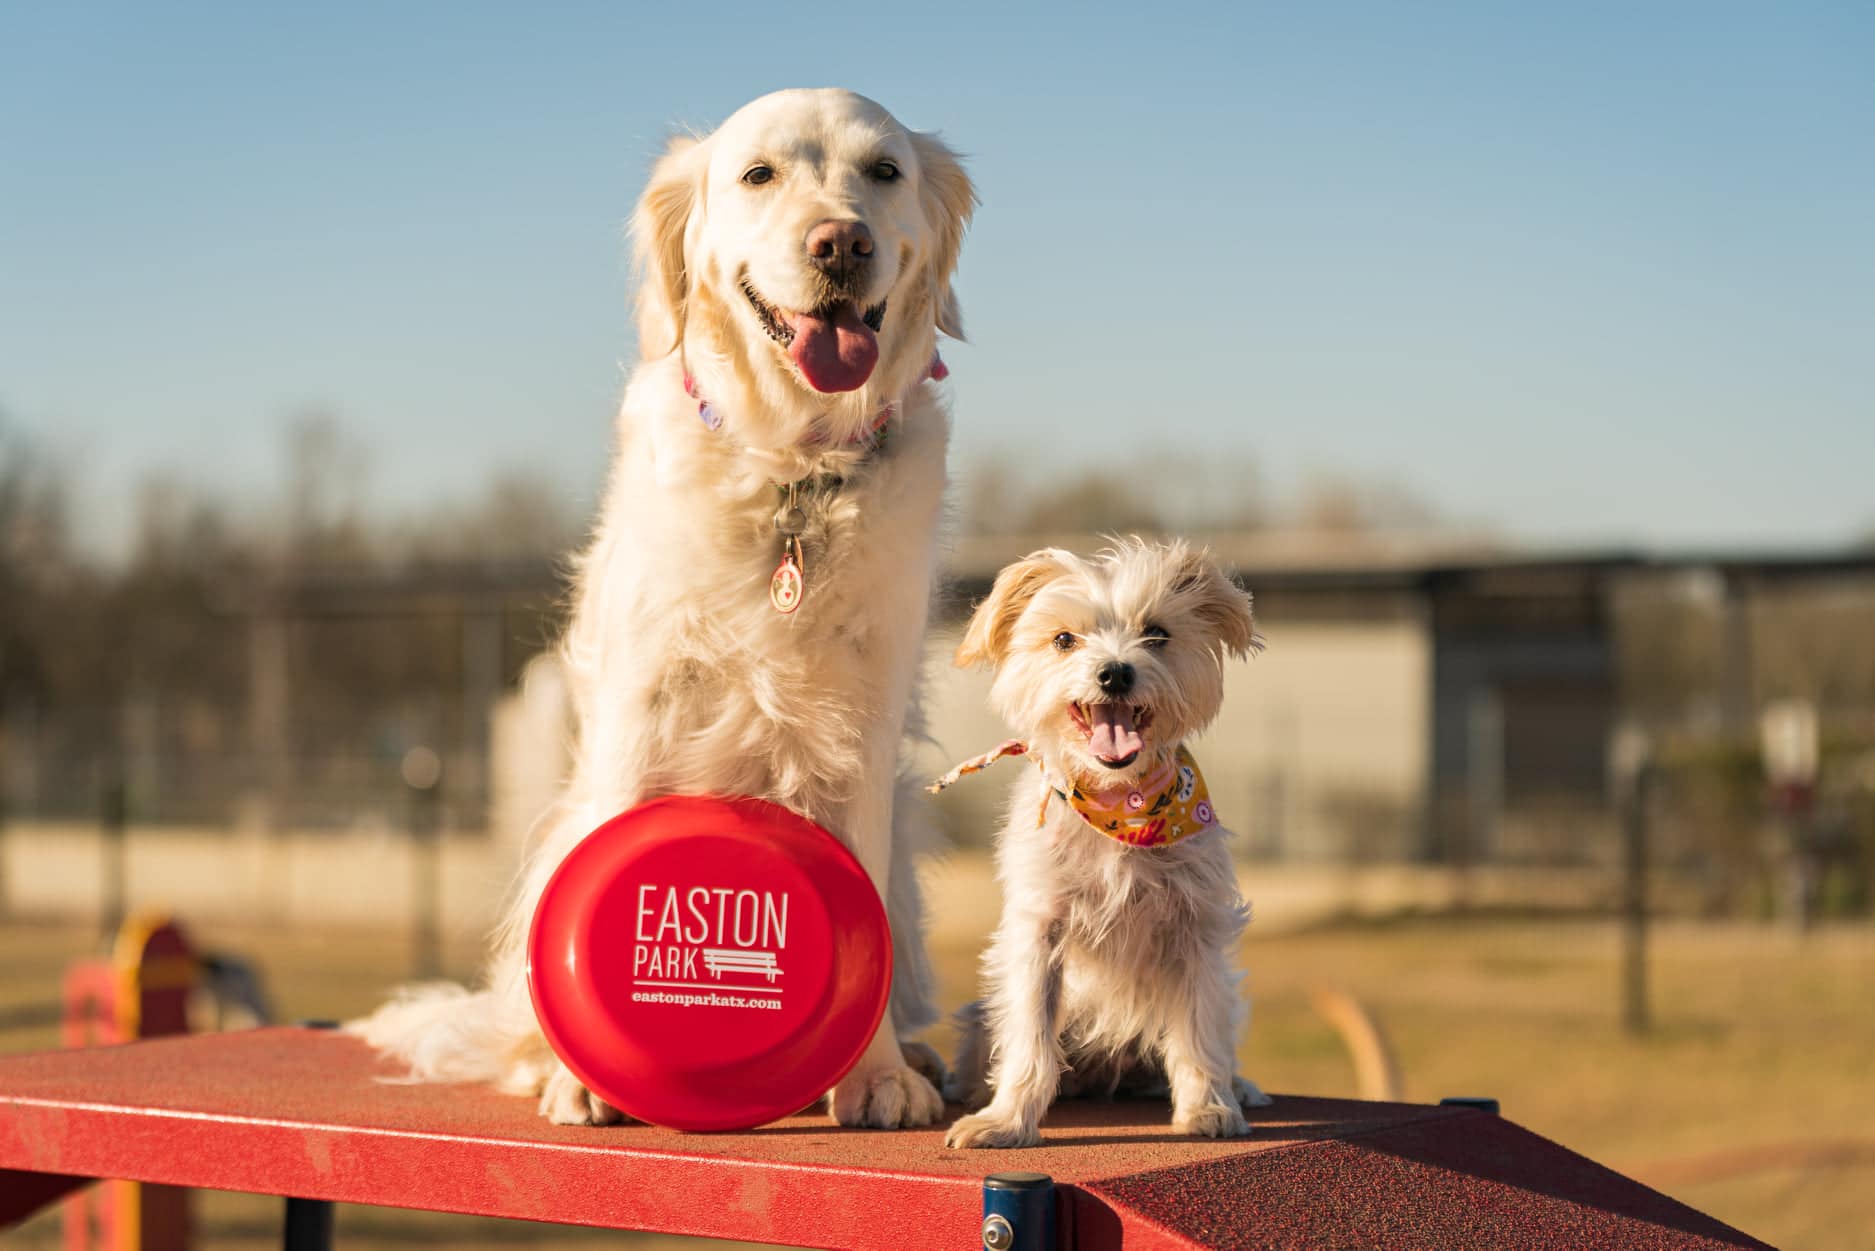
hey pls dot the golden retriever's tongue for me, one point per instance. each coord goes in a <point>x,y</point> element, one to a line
<point>1113,736</point>
<point>834,350</point>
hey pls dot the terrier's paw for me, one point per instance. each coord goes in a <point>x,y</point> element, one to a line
<point>924,1060</point>
<point>1213,1120</point>
<point>1249,1094</point>
<point>980,1129</point>
<point>565,1102</point>
<point>886,1099</point>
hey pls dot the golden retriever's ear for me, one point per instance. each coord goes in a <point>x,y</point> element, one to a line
<point>986,638</point>
<point>1216,601</point>
<point>949,200</point>
<point>658,227</point>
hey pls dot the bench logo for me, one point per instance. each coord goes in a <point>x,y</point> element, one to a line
<point>704,938</point>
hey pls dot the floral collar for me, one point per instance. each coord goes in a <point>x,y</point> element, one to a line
<point>1159,810</point>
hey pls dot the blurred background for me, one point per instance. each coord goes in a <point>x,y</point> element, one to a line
<point>1518,361</point>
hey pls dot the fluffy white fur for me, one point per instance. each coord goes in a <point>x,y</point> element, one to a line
<point>1112,967</point>
<point>684,678</point>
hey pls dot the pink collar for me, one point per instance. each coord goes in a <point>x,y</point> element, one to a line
<point>873,435</point>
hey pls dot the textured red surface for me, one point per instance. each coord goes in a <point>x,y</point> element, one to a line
<point>1478,1181</point>
<point>295,1112</point>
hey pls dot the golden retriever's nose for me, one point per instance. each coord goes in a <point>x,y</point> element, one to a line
<point>839,249</point>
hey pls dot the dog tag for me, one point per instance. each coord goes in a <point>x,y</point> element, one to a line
<point>788,586</point>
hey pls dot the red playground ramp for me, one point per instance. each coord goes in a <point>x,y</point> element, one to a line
<point>302,1113</point>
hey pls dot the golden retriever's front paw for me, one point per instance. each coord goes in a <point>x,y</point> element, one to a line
<point>893,1098</point>
<point>1249,1095</point>
<point>980,1129</point>
<point>1212,1120</point>
<point>564,1101</point>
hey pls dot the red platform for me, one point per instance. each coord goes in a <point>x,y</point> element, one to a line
<point>301,1113</point>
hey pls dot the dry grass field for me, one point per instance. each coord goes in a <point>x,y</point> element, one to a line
<point>1763,1038</point>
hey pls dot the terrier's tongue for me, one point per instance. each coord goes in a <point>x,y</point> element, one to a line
<point>1114,736</point>
<point>834,349</point>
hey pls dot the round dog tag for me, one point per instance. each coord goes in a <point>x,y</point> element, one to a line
<point>708,964</point>
<point>786,587</point>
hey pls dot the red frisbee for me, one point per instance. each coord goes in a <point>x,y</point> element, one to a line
<point>708,963</point>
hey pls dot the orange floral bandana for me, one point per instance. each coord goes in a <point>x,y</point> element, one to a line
<point>1171,804</point>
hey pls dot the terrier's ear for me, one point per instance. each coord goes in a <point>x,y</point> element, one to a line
<point>658,227</point>
<point>986,638</point>
<point>948,200</point>
<point>1216,601</point>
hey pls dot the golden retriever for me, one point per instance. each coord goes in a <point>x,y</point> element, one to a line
<point>749,617</point>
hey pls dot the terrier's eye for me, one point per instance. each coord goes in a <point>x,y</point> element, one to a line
<point>1066,642</point>
<point>885,171</point>
<point>756,175</point>
<point>1154,636</point>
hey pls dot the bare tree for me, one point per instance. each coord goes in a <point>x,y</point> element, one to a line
<point>327,474</point>
<point>33,529</point>
<point>1156,493</point>
<point>1346,502</point>
<point>520,514</point>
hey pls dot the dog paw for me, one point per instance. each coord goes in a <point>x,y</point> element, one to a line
<point>983,1130</point>
<point>564,1101</point>
<point>1213,1120</point>
<point>925,1061</point>
<point>897,1098</point>
<point>1249,1094</point>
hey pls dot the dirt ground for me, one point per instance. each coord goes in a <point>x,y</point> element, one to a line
<point>1762,1039</point>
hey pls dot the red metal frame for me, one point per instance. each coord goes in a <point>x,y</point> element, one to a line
<point>307,1114</point>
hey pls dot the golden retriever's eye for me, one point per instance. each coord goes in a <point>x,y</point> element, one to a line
<point>1066,642</point>
<point>756,175</point>
<point>885,171</point>
<point>1154,636</point>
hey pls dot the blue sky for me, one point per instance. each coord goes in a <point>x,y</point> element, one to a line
<point>1585,273</point>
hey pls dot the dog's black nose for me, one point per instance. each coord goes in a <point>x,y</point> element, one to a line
<point>839,249</point>
<point>1115,677</point>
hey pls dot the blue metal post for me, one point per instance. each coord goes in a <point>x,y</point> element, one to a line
<point>1018,1212</point>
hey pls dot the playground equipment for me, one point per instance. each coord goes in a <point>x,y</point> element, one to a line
<point>300,1113</point>
<point>141,991</point>
<point>709,964</point>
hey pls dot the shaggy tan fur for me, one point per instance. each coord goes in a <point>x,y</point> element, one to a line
<point>1112,964</point>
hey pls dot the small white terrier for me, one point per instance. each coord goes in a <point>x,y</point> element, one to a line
<point>1113,962</point>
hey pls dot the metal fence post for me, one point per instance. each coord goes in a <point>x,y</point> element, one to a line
<point>1018,1212</point>
<point>422,771</point>
<point>113,820</point>
<point>1631,770</point>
